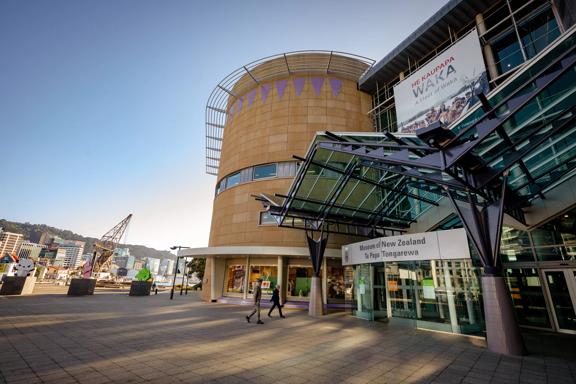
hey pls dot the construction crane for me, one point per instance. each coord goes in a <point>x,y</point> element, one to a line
<point>104,248</point>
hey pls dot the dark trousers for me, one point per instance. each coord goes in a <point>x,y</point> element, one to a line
<point>276,304</point>
<point>255,310</point>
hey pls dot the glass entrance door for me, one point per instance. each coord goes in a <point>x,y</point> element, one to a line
<point>363,291</point>
<point>401,282</point>
<point>380,301</point>
<point>561,285</point>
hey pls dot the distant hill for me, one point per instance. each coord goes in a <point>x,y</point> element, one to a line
<point>33,232</point>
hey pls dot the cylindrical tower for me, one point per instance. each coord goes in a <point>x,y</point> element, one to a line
<point>257,119</point>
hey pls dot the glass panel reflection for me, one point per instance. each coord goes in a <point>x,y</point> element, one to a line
<point>556,239</point>
<point>563,305</point>
<point>527,297</point>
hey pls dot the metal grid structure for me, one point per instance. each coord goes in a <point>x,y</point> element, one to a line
<point>516,146</point>
<point>256,73</point>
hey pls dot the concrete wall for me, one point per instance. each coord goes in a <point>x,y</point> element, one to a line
<point>272,131</point>
<point>266,125</point>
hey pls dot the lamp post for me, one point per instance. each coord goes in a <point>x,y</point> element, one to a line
<point>178,247</point>
<point>183,274</point>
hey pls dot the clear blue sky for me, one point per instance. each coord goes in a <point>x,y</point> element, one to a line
<point>102,102</point>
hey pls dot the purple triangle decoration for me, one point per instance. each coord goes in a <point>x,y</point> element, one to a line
<point>264,92</point>
<point>240,101</point>
<point>336,85</point>
<point>281,87</point>
<point>317,83</point>
<point>231,112</point>
<point>299,84</point>
<point>251,95</point>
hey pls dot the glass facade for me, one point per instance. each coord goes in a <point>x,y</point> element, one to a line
<point>269,275</point>
<point>514,31</point>
<point>562,287</point>
<point>335,281</point>
<point>434,294</point>
<point>235,278</point>
<point>528,297</point>
<point>554,240</point>
<point>299,282</point>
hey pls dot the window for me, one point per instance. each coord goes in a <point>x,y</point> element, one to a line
<point>556,239</point>
<point>220,186</point>
<point>263,171</point>
<point>266,218</point>
<point>235,278</point>
<point>269,276</point>
<point>233,179</point>
<point>527,297</point>
<point>299,281</point>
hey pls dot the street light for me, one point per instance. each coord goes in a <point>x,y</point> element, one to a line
<point>178,247</point>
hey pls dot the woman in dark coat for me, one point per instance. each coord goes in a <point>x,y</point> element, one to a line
<point>276,300</point>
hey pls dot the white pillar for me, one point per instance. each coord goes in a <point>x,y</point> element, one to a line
<point>246,278</point>
<point>324,281</point>
<point>488,54</point>
<point>281,282</point>
<point>213,295</point>
<point>450,297</point>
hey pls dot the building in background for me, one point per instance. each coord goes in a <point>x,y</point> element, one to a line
<point>73,257</point>
<point>29,250</point>
<point>9,242</point>
<point>153,265</point>
<point>167,267</point>
<point>122,252</point>
<point>59,258</point>
<point>124,261</point>
<point>139,264</point>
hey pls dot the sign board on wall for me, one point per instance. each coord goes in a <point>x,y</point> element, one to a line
<point>440,245</point>
<point>444,89</point>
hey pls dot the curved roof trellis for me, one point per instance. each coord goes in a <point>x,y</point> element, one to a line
<point>253,74</point>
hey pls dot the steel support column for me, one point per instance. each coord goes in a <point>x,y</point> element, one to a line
<point>483,225</point>
<point>316,248</point>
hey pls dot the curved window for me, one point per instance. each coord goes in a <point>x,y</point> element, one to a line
<point>257,172</point>
<point>267,218</point>
<point>233,179</point>
<point>264,171</point>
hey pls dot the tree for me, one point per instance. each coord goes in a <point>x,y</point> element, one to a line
<point>197,265</point>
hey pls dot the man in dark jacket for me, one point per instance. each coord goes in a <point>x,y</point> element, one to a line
<point>257,297</point>
<point>276,300</point>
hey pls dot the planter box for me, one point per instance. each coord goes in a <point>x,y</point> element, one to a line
<point>81,287</point>
<point>18,285</point>
<point>140,288</point>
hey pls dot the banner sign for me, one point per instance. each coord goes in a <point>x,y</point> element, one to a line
<point>444,89</point>
<point>440,245</point>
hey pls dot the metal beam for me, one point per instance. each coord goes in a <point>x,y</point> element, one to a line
<point>341,207</point>
<point>368,181</point>
<point>250,73</point>
<point>227,91</point>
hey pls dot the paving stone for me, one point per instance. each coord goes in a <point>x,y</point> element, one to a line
<point>155,340</point>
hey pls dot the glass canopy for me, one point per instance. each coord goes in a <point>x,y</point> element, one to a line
<point>523,134</point>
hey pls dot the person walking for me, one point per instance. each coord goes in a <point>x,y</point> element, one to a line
<point>276,300</point>
<point>257,297</point>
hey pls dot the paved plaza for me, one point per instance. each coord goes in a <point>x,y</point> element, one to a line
<point>113,338</point>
